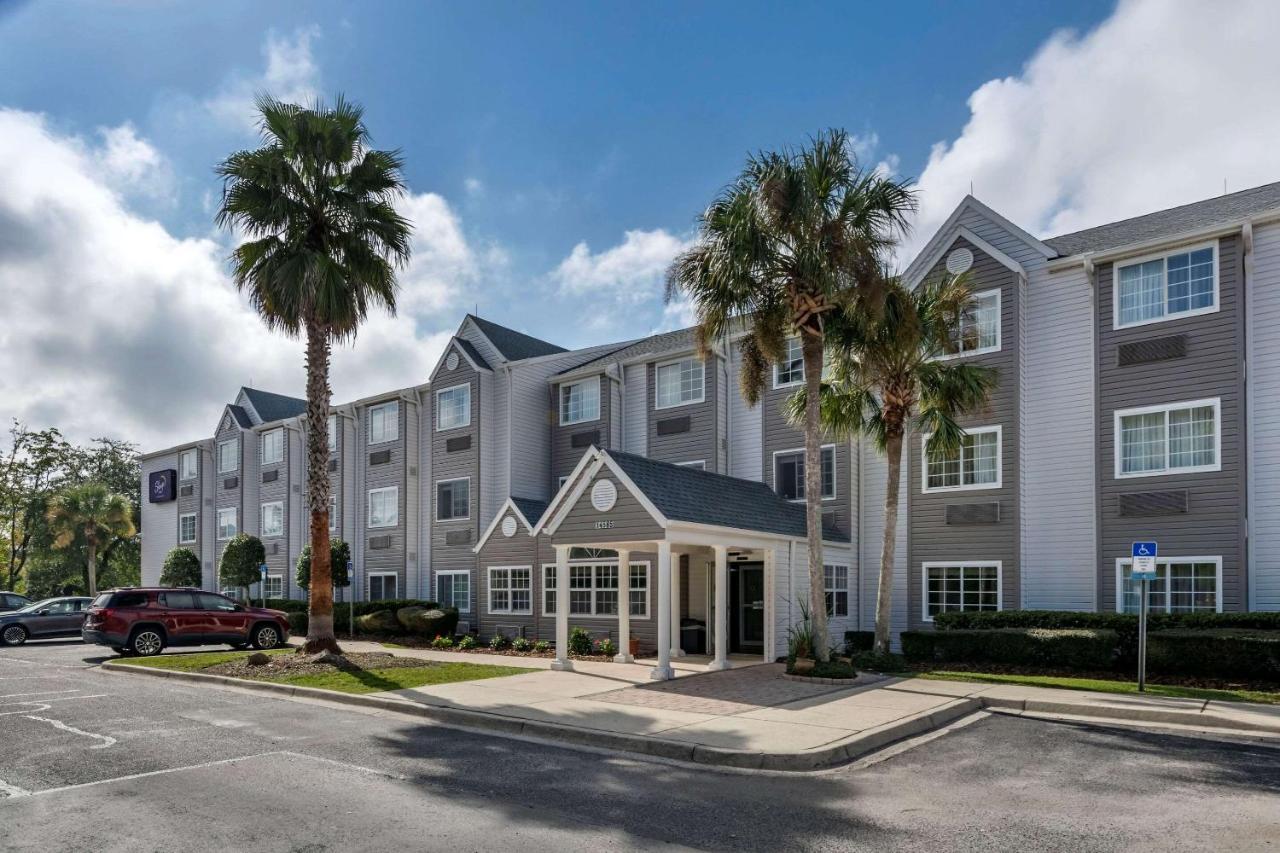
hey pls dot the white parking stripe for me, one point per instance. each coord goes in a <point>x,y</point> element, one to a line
<point>12,790</point>
<point>36,693</point>
<point>44,703</point>
<point>107,740</point>
<point>133,776</point>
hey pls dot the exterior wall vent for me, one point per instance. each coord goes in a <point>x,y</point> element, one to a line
<point>987,512</point>
<point>187,491</point>
<point>231,483</point>
<point>457,537</point>
<point>380,457</point>
<point>1151,349</point>
<point>960,260</point>
<point>455,445</point>
<point>379,543</point>
<point>1139,504</point>
<point>270,476</point>
<point>585,439</point>
<point>675,426</point>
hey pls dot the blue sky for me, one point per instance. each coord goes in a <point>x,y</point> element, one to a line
<point>558,154</point>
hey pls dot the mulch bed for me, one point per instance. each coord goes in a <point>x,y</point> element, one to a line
<point>1102,675</point>
<point>300,664</point>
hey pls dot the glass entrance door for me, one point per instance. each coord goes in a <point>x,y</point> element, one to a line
<point>750,608</point>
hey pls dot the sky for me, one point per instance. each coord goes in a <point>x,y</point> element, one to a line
<point>557,157</point>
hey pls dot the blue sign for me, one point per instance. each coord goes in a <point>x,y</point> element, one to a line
<point>1144,561</point>
<point>160,486</point>
<point>263,569</point>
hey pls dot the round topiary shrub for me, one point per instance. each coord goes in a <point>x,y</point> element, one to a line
<point>339,556</point>
<point>240,561</point>
<point>181,568</point>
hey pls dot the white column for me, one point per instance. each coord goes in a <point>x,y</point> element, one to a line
<point>562,661</point>
<point>676,651</point>
<point>624,608</point>
<point>722,608</point>
<point>663,671</point>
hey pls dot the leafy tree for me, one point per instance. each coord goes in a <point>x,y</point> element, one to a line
<point>88,517</point>
<point>323,243</point>
<point>241,562</point>
<point>800,235</point>
<point>181,568</point>
<point>339,555</point>
<point>887,377</point>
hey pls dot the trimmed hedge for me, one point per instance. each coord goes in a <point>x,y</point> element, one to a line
<point>1070,648</point>
<point>859,641</point>
<point>1229,653</point>
<point>297,611</point>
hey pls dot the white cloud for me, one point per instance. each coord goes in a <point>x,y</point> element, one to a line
<point>1153,108</point>
<point>473,186</point>
<point>132,164</point>
<point>631,272</point>
<point>290,73</point>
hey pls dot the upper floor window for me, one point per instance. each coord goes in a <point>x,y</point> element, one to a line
<point>228,456</point>
<point>384,507</point>
<point>273,446</point>
<point>187,528</point>
<point>333,433</point>
<point>453,407</point>
<point>187,462</point>
<point>1151,289</point>
<point>1182,585</point>
<point>680,382</point>
<point>788,473</point>
<point>975,464</point>
<point>333,513</point>
<point>384,422</point>
<point>273,518</point>
<point>580,401</point>
<point>1169,439</point>
<point>453,499</point>
<point>227,527</point>
<point>979,328</point>
<point>790,371</point>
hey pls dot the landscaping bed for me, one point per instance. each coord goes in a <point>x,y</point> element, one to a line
<point>1103,682</point>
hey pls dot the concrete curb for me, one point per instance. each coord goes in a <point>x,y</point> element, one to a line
<point>1204,718</point>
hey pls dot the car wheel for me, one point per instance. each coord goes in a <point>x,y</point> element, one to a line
<point>266,637</point>
<point>14,635</point>
<point>147,642</point>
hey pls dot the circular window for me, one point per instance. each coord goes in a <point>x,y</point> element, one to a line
<point>509,526</point>
<point>604,494</point>
<point>452,361</point>
<point>959,261</point>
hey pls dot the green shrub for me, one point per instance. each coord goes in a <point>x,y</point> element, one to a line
<point>288,605</point>
<point>579,642</point>
<point>181,568</point>
<point>800,640</point>
<point>1224,653</point>
<point>829,669</point>
<point>339,556</point>
<point>869,660</point>
<point>499,641</point>
<point>442,643</point>
<point>607,647</point>
<point>1067,648</point>
<point>241,560</point>
<point>467,642</point>
<point>520,644</point>
<point>298,623</point>
<point>858,641</point>
<point>542,646</point>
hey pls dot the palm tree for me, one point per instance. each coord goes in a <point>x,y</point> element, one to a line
<point>887,376</point>
<point>89,515</point>
<point>323,242</point>
<point>800,235</point>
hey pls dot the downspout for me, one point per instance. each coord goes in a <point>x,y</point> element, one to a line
<point>417,555</point>
<point>1246,233</point>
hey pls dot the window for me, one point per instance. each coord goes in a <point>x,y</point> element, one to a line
<point>274,587</point>
<point>228,456</point>
<point>210,601</point>
<point>187,528</point>
<point>273,518</point>
<point>580,401</point>
<point>226,523</point>
<point>979,328</point>
<point>1182,585</point>
<point>453,407</point>
<point>333,513</point>
<point>697,463</point>
<point>976,465</point>
<point>788,473</point>
<point>187,462</point>
<point>1168,439</point>
<point>961,586</point>
<point>453,589</point>
<point>453,499</point>
<point>837,589</point>
<point>273,446</point>
<point>593,589</point>
<point>383,586</point>
<point>384,507</point>
<point>333,433</point>
<point>384,423</point>
<point>1151,289</point>
<point>680,382</point>
<point>790,371</point>
<point>511,590</point>
<point>178,600</point>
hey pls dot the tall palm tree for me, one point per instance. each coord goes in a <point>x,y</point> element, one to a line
<point>323,244</point>
<point>798,236</point>
<point>91,516</point>
<point>888,374</point>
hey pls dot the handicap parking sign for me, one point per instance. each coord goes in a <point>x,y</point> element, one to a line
<point>1144,561</point>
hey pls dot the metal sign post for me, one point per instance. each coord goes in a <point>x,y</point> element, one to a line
<point>1143,571</point>
<point>351,608</point>
<point>263,569</point>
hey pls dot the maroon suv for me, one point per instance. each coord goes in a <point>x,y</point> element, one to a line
<point>145,620</point>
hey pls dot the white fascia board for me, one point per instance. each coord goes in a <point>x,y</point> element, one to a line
<point>1165,242</point>
<point>588,460</point>
<point>508,504</point>
<point>979,243</point>
<point>942,238</point>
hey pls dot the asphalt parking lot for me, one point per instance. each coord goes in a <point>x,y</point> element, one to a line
<point>103,761</point>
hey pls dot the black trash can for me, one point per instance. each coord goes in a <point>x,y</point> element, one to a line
<point>693,636</point>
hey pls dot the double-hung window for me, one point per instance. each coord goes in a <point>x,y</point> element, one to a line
<point>272,446</point>
<point>1169,439</point>
<point>788,473</point>
<point>384,507</point>
<point>228,456</point>
<point>453,589</point>
<point>961,586</point>
<point>979,328</point>
<point>186,528</point>
<point>453,407</point>
<point>1166,287</point>
<point>790,371</point>
<point>594,589</point>
<point>333,513</point>
<point>975,464</point>
<point>273,518</point>
<point>453,500</point>
<point>187,463</point>
<point>1182,585</point>
<point>511,589</point>
<point>383,586</point>
<point>227,523</point>
<point>274,587</point>
<point>384,422</point>
<point>333,433</point>
<point>580,401</point>
<point>680,382</point>
<point>836,583</point>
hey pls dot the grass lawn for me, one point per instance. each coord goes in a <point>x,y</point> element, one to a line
<point>1104,686</point>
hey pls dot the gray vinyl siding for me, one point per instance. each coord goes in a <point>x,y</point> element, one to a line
<point>223,497</point>
<point>493,445</point>
<point>159,521</point>
<point>930,538</point>
<point>410,495</point>
<point>276,547</point>
<point>631,521</point>
<point>455,465</point>
<point>1212,367</point>
<point>745,425</point>
<point>722,414</point>
<point>699,442</point>
<point>635,427</point>
<point>384,475</point>
<point>1264,420</point>
<point>189,504</point>
<point>564,456</point>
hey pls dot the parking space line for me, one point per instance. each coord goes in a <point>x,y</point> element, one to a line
<point>37,693</point>
<point>44,703</point>
<point>107,740</point>
<point>13,790</point>
<point>133,776</point>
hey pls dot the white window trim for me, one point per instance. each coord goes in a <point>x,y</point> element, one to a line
<point>368,584</point>
<point>508,611</point>
<point>218,522</point>
<point>562,481</point>
<point>462,385</point>
<point>961,564</point>
<point>999,294</point>
<point>599,403</point>
<point>436,497</point>
<point>797,383</point>
<point>262,518</point>
<point>1156,256</point>
<point>333,513</point>
<point>648,589</point>
<point>195,469</point>
<point>1122,562</point>
<point>369,507</point>
<point>369,422</point>
<point>1215,402</point>
<point>835,472</point>
<point>849,586</point>
<point>236,455</point>
<point>451,572</point>
<point>974,487</point>
<point>700,464</point>
<point>262,446</point>
<point>271,577</point>
<point>195,528</point>
<point>331,433</point>
<point>658,367</point>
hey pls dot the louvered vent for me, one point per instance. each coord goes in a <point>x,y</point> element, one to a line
<point>973,513</point>
<point>380,457</point>
<point>379,543</point>
<point>1151,349</point>
<point>1139,504</point>
<point>270,476</point>
<point>187,491</point>
<point>457,537</point>
<point>675,426</point>
<point>231,483</point>
<point>585,439</point>
<point>454,445</point>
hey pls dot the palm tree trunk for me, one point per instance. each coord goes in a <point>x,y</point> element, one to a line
<point>884,595</point>
<point>811,347</point>
<point>320,636</point>
<point>93,568</point>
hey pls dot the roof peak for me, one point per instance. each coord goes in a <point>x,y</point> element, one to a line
<point>514,345</point>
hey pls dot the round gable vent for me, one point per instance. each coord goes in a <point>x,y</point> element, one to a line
<point>604,494</point>
<point>452,361</point>
<point>509,526</point>
<point>959,261</point>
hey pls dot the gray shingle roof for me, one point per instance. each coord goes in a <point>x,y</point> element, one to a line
<point>274,407</point>
<point>687,494</point>
<point>514,345</point>
<point>241,416</point>
<point>530,508</point>
<point>470,349</point>
<point>1167,223</point>
<point>681,339</point>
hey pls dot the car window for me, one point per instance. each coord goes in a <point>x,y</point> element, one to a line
<point>129,599</point>
<point>209,601</point>
<point>102,600</point>
<point>178,600</point>
<point>60,606</point>
<point>81,604</point>
<point>37,605</point>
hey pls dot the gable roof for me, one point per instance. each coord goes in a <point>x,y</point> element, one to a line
<point>945,236</point>
<point>528,510</point>
<point>273,407</point>
<point>473,354</point>
<point>680,339</point>
<point>514,345</point>
<point>1185,218</point>
<point>241,416</point>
